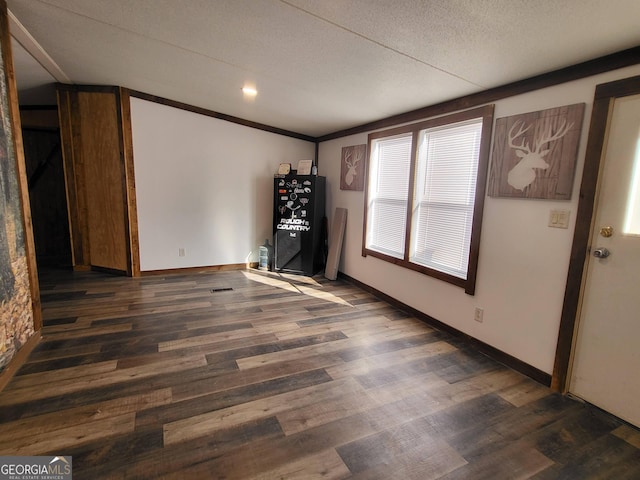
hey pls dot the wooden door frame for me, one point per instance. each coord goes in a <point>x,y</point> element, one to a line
<point>604,98</point>
<point>70,120</point>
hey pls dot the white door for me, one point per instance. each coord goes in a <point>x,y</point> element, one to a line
<point>606,365</point>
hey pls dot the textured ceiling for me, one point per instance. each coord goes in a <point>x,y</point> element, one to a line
<point>319,65</point>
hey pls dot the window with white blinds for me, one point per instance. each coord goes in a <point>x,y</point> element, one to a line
<point>389,190</point>
<point>431,177</point>
<point>444,195</point>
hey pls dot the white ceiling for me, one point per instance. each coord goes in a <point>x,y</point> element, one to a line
<point>319,65</point>
<point>36,84</point>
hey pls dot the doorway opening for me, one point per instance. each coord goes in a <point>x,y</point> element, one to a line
<point>47,193</point>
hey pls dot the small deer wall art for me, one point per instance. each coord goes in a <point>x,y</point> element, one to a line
<point>352,168</point>
<point>523,174</point>
<point>352,162</point>
<point>535,154</point>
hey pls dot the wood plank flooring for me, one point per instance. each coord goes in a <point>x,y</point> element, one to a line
<point>254,375</point>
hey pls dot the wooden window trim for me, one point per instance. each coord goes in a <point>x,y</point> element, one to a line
<point>486,112</point>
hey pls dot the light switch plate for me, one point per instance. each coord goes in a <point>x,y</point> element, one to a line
<point>559,218</point>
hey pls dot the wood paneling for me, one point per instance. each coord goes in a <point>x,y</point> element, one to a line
<point>283,377</point>
<point>12,98</point>
<point>103,175</point>
<point>95,124</point>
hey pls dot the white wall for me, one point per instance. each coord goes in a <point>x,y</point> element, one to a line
<point>204,185</point>
<point>523,263</point>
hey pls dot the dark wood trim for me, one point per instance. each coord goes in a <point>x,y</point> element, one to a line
<point>41,120</point>
<point>112,271</point>
<point>66,136</point>
<point>481,190</point>
<point>79,176</point>
<point>220,116</point>
<point>589,68</point>
<point>395,131</point>
<point>87,88</point>
<point>19,359</point>
<point>402,262</point>
<point>191,270</point>
<point>21,166</point>
<point>130,182</point>
<point>365,172</point>
<point>124,178</point>
<point>492,352</point>
<point>618,88</point>
<point>185,106</point>
<point>52,130</point>
<point>365,213</point>
<point>65,87</point>
<point>410,194</point>
<point>603,102</point>
<point>38,107</point>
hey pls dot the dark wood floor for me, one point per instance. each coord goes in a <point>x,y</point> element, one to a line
<point>247,374</point>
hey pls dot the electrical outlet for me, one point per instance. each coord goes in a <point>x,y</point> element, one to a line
<point>478,314</point>
<point>181,252</point>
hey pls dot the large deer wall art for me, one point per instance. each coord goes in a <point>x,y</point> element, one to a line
<point>534,154</point>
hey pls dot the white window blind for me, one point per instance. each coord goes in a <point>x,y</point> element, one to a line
<point>390,164</point>
<point>444,196</point>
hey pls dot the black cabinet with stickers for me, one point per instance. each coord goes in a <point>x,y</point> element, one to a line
<point>298,224</point>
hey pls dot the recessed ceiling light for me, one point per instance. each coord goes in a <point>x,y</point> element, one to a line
<point>251,91</point>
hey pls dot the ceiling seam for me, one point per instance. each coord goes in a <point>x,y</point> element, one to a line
<point>138,34</point>
<point>164,42</point>
<point>382,45</point>
<point>285,2</point>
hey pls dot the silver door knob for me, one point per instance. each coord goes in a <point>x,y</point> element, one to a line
<point>601,253</point>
